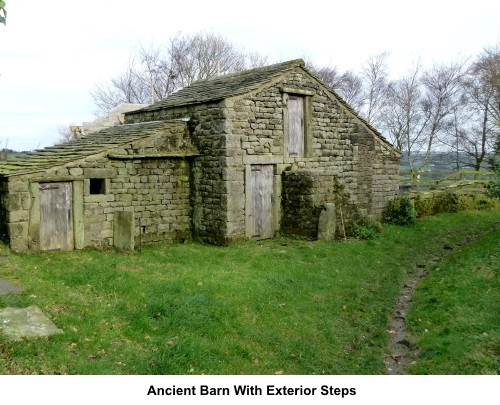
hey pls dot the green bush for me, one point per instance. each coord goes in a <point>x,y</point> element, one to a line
<point>493,187</point>
<point>451,202</point>
<point>364,229</point>
<point>424,207</point>
<point>400,211</point>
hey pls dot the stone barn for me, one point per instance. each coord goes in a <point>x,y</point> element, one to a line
<point>237,157</point>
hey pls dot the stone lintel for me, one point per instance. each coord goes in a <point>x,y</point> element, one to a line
<point>100,173</point>
<point>154,156</point>
<point>262,160</point>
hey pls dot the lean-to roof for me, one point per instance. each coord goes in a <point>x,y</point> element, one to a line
<point>87,145</point>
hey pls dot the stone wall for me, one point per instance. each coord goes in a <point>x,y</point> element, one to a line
<point>248,129</point>
<point>15,203</point>
<point>155,189</point>
<point>209,193</point>
<point>305,194</point>
<point>4,196</point>
<point>364,166</point>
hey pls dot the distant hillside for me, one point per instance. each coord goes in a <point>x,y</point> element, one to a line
<point>443,162</point>
<point>9,155</point>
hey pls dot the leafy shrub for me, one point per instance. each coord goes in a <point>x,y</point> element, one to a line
<point>448,202</point>
<point>451,202</point>
<point>364,229</point>
<point>424,207</point>
<point>400,211</point>
<point>493,187</point>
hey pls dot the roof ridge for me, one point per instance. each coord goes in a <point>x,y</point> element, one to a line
<point>220,87</point>
<point>292,63</point>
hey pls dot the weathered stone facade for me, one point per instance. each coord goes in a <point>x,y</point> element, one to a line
<point>305,194</point>
<point>251,128</point>
<point>149,177</point>
<point>228,153</point>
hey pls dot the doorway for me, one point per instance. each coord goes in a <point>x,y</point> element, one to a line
<point>56,229</point>
<point>261,190</point>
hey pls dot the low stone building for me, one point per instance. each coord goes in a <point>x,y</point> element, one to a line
<point>241,156</point>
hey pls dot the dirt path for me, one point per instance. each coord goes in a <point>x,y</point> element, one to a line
<point>402,351</point>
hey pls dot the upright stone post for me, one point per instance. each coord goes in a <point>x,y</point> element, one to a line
<point>123,233</point>
<point>327,223</point>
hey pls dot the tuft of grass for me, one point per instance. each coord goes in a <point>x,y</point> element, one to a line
<point>287,305</point>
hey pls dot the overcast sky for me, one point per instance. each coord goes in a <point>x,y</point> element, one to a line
<point>53,52</point>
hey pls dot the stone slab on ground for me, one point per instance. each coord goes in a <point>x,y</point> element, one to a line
<point>6,287</point>
<point>26,322</point>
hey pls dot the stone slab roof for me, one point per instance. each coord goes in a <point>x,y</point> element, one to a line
<point>221,87</point>
<point>86,145</point>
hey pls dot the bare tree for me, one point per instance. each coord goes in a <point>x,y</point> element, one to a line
<point>347,85</point>
<point>420,108</point>
<point>129,86</point>
<point>375,74</point>
<point>204,55</point>
<point>482,91</point>
<point>65,133</point>
<point>351,90</point>
<point>328,75</point>
<point>454,136</point>
<point>442,85</point>
<point>403,118</point>
<point>154,72</point>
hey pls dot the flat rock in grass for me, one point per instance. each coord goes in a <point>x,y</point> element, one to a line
<point>6,287</point>
<point>16,323</point>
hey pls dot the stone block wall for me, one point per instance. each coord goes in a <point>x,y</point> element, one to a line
<point>247,129</point>
<point>305,194</point>
<point>365,166</point>
<point>156,189</point>
<point>15,203</point>
<point>209,194</point>
<point>4,196</point>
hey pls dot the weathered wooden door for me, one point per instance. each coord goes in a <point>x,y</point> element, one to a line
<point>262,198</point>
<point>56,230</point>
<point>295,126</point>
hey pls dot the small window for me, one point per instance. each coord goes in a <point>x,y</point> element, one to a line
<point>97,186</point>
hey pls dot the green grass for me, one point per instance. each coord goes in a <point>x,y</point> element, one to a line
<point>279,306</point>
<point>455,316</point>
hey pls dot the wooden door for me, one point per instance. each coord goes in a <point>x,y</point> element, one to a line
<point>56,230</point>
<point>295,126</point>
<point>262,197</point>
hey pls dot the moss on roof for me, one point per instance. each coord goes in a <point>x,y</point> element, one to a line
<point>87,145</point>
<point>221,87</point>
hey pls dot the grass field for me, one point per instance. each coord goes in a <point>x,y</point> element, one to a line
<point>455,317</point>
<point>281,306</point>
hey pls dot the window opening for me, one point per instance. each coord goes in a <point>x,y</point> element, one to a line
<point>97,186</point>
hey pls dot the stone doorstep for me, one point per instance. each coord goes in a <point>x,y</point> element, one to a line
<point>16,323</point>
